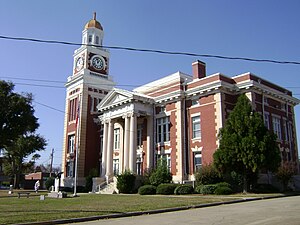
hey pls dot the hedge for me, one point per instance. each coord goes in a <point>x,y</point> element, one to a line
<point>208,189</point>
<point>166,189</point>
<point>223,190</point>
<point>184,189</point>
<point>147,190</point>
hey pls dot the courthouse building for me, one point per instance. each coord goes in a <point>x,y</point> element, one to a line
<point>177,117</point>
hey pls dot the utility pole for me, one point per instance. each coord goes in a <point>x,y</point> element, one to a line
<point>51,162</point>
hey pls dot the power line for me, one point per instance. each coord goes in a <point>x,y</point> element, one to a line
<point>151,50</point>
<point>63,82</point>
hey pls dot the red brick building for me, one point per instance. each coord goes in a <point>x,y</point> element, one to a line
<point>177,117</point>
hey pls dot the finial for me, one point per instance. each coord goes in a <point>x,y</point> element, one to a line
<point>94,16</point>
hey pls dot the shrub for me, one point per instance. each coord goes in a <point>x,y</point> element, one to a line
<point>208,175</point>
<point>223,184</point>
<point>49,182</point>
<point>166,189</point>
<point>265,188</point>
<point>223,190</point>
<point>184,189</point>
<point>89,179</point>
<point>126,182</point>
<point>208,189</point>
<point>147,190</point>
<point>161,174</point>
<point>285,173</point>
<point>198,189</point>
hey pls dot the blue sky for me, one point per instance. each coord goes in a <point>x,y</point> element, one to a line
<point>263,29</point>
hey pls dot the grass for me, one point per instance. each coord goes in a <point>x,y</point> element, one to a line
<point>21,210</point>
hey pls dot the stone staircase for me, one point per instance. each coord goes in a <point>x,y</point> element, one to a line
<point>107,187</point>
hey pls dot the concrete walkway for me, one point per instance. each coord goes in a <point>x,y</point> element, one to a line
<point>270,211</point>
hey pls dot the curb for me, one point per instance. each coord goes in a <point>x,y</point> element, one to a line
<point>149,212</point>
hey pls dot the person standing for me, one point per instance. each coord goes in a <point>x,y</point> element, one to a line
<point>37,186</point>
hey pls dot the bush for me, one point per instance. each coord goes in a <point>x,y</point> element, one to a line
<point>198,189</point>
<point>223,184</point>
<point>285,173</point>
<point>264,189</point>
<point>166,189</point>
<point>89,180</point>
<point>208,189</point>
<point>126,182</point>
<point>147,190</point>
<point>49,182</point>
<point>184,189</point>
<point>223,190</point>
<point>161,174</point>
<point>208,175</point>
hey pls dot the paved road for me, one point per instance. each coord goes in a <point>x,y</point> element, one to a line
<point>272,211</point>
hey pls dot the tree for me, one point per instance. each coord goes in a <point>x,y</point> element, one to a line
<point>17,130</point>
<point>246,145</point>
<point>161,174</point>
<point>16,114</point>
<point>285,173</point>
<point>18,151</point>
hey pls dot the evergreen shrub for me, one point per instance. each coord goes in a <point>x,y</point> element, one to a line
<point>49,182</point>
<point>184,189</point>
<point>207,175</point>
<point>147,190</point>
<point>223,190</point>
<point>208,189</point>
<point>166,189</point>
<point>126,182</point>
<point>198,189</point>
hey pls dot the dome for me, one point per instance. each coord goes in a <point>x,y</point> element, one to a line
<point>93,23</point>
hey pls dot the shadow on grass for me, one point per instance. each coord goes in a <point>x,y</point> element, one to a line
<point>60,211</point>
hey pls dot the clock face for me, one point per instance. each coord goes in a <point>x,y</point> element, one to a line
<point>79,63</point>
<point>98,62</point>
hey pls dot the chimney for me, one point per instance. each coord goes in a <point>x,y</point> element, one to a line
<point>199,70</point>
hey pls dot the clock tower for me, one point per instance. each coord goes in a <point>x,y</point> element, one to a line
<point>86,87</point>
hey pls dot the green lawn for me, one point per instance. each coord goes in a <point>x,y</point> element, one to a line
<point>32,209</point>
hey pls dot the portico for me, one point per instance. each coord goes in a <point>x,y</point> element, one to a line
<point>127,132</point>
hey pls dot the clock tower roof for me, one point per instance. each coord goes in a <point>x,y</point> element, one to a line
<point>93,23</point>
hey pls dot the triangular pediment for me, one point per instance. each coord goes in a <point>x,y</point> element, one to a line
<point>119,97</point>
<point>115,96</point>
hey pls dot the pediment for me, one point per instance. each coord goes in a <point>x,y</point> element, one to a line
<point>116,96</point>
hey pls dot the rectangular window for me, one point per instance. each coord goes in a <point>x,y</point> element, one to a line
<point>90,38</point>
<point>97,40</point>
<point>71,143</point>
<point>267,121</point>
<point>70,167</point>
<point>117,138</point>
<point>166,158</point>
<point>92,104</point>
<point>116,166</point>
<point>139,135</point>
<point>196,128</point>
<point>139,166</point>
<point>73,104</point>
<point>197,161</point>
<point>285,130</point>
<point>163,129</point>
<point>277,127</point>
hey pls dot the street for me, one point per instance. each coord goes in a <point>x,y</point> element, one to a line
<point>272,211</point>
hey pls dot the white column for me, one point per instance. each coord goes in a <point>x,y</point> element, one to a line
<point>126,143</point>
<point>109,157</point>
<point>149,142</point>
<point>132,144</point>
<point>104,149</point>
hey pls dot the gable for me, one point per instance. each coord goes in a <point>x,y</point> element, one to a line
<point>114,97</point>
